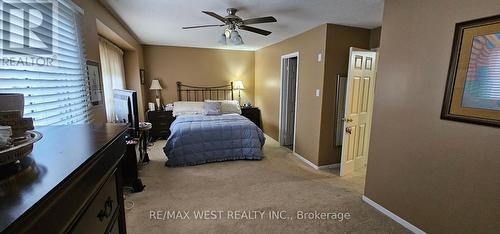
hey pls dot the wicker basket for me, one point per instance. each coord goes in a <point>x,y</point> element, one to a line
<point>20,149</point>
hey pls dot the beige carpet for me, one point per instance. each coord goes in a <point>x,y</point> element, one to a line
<point>279,183</point>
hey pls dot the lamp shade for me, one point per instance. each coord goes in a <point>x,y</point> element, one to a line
<point>238,85</point>
<point>155,85</point>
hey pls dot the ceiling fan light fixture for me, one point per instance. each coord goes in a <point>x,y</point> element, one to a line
<point>222,39</point>
<point>236,38</point>
<point>227,32</point>
<point>232,22</point>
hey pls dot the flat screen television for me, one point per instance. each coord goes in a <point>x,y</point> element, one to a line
<point>126,111</point>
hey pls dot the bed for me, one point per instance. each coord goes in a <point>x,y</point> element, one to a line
<point>197,138</point>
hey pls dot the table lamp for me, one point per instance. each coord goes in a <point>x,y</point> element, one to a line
<point>238,85</point>
<point>155,85</point>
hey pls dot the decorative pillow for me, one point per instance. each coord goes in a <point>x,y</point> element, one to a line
<point>228,106</point>
<point>212,108</point>
<point>187,108</point>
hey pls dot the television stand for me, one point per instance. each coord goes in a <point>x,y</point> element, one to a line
<point>144,128</point>
<point>130,171</point>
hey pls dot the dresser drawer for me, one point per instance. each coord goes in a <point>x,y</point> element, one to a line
<point>99,214</point>
<point>162,124</point>
<point>163,132</point>
<point>115,229</point>
<point>160,115</point>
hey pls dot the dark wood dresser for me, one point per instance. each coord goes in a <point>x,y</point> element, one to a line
<point>253,114</point>
<point>70,183</point>
<point>161,121</point>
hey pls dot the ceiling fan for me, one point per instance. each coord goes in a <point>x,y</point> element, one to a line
<point>232,21</point>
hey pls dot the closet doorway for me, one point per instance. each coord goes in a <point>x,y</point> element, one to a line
<point>288,99</point>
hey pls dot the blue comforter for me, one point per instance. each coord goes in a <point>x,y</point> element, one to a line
<point>197,139</point>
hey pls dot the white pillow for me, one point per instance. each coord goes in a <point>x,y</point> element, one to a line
<point>228,106</point>
<point>187,108</point>
<point>212,108</point>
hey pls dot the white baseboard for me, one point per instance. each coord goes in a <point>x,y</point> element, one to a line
<point>329,166</point>
<point>393,216</point>
<point>309,163</point>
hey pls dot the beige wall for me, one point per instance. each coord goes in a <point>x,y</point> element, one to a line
<point>442,176</point>
<point>267,87</point>
<point>315,130</point>
<point>95,12</point>
<point>199,67</point>
<point>338,41</point>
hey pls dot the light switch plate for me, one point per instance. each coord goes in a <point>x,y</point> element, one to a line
<point>317,92</point>
<point>319,57</point>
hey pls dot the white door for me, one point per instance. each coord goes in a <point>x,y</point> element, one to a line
<point>358,109</point>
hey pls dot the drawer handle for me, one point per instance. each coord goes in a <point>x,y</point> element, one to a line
<point>108,207</point>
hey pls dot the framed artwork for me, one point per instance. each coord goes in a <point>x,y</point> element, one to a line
<point>473,87</point>
<point>94,82</point>
<point>143,76</point>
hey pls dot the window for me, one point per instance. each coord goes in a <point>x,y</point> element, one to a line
<point>42,57</point>
<point>113,77</point>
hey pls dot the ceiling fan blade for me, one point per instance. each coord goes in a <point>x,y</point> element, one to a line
<point>204,26</point>
<point>260,20</point>
<point>255,30</point>
<point>215,16</point>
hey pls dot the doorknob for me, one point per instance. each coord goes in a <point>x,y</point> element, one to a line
<point>347,120</point>
<point>348,130</point>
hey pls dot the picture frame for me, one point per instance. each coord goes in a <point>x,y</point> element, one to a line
<point>94,82</point>
<point>473,86</point>
<point>142,74</point>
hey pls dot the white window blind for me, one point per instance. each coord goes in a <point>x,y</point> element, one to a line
<point>55,93</point>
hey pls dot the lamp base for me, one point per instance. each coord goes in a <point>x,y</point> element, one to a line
<point>158,106</point>
<point>239,97</point>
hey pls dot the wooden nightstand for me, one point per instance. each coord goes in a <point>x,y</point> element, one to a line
<point>253,114</point>
<point>161,121</point>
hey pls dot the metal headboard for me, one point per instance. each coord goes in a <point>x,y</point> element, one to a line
<point>201,93</point>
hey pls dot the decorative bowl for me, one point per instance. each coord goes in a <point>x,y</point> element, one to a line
<point>22,147</point>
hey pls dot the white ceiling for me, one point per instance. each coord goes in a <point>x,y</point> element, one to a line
<point>159,22</point>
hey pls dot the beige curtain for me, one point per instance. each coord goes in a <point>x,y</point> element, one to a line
<point>113,74</point>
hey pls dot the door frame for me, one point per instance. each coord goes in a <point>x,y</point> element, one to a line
<point>283,57</point>
<point>347,102</point>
